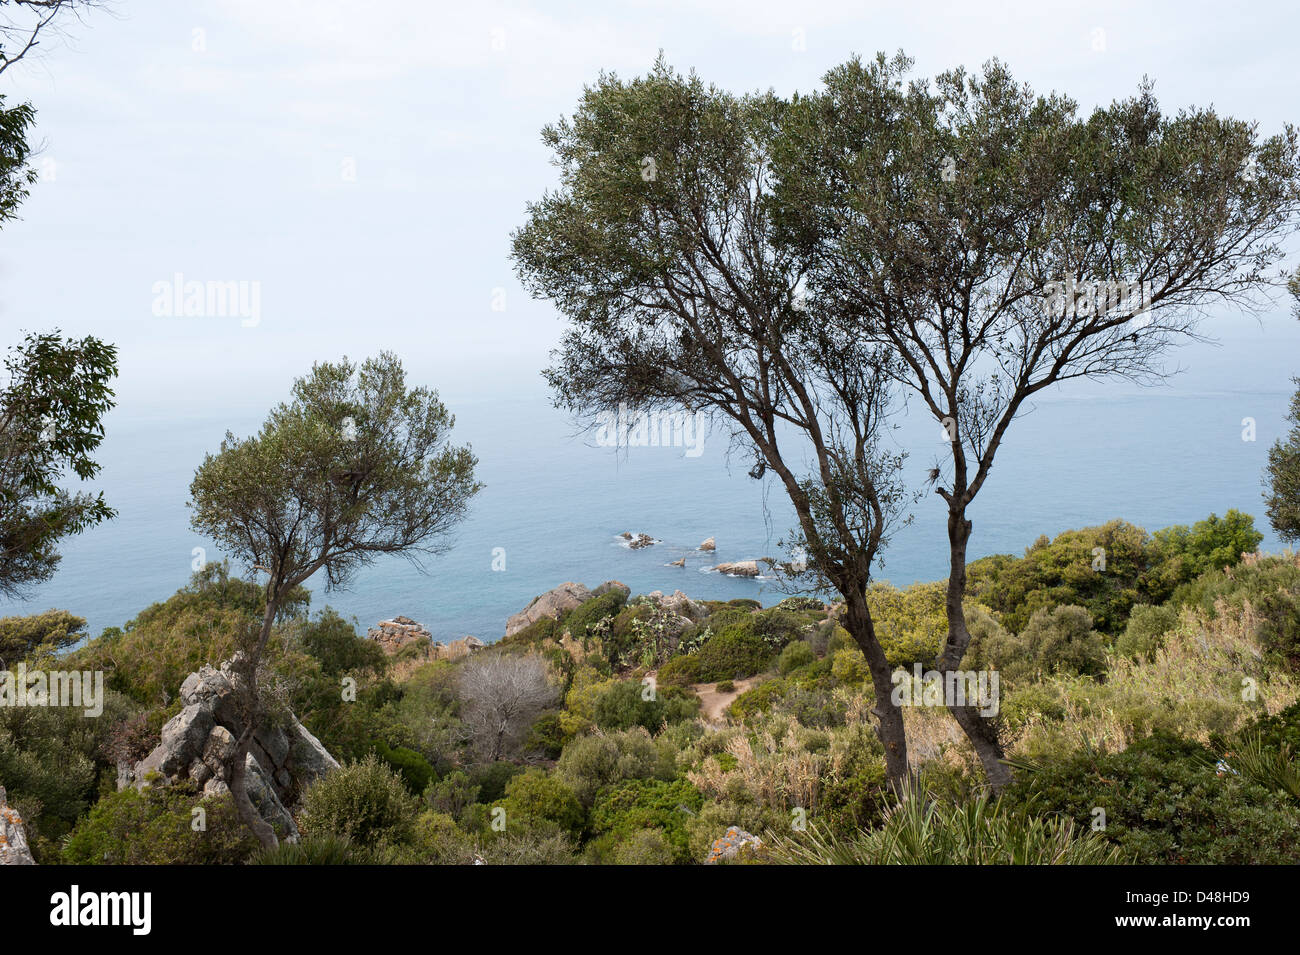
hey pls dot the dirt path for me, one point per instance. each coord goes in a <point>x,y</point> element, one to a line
<point>713,701</point>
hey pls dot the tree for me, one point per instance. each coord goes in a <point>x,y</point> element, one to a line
<point>502,694</point>
<point>658,247</point>
<point>997,244</point>
<point>51,413</point>
<point>23,23</point>
<point>1282,494</point>
<point>357,465</point>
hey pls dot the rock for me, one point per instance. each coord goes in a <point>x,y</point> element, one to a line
<point>13,837</point>
<point>393,635</point>
<point>612,585</point>
<point>735,843</point>
<point>199,743</point>
<point>641,540</point>
<point>554,604</point>
<point>681,605</point>
<point>678,563</point>
<point>740,568</point>
<point>457,649</point>
<point>709,545</point>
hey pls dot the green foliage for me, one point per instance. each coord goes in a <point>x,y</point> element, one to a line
<point>680,671</point>
<point>622,812</point>
<point>1139,568</point>
<point>532,797</point>
<point>924,831</point>
<point>1282,494</point>
<point>624,705</point>
<point>364,801</point>
<point>1265,591</point>
<point>52,630</point>
<point>582,619</point>
<point>1164,804</point>
<point>491,778</point>
<point>794,656</point>
<point>1146,630</point>
<point>158,827</point>
<point>334,643</point>
<point>414,769</point>
<point>52,407</point>
<point>736,651</point>
<point>589,763</point>
<point>320,850</point>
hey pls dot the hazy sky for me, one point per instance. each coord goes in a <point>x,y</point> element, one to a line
<point>365,162</point>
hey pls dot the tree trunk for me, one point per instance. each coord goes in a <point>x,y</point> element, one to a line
<point>979,729</point>
<point>237,772</point>
<point>857,621</point>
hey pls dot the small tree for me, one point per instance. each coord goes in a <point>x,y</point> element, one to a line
<point>1282,487</point>
<point>51,413</point>
<point>357,465</point>
<point>502,694</point>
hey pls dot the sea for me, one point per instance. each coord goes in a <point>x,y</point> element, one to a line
<point>556,500</point>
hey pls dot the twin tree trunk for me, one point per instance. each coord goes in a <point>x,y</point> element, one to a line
<point>980,730</point>
<point>246,673</point>
<point>857,620</point>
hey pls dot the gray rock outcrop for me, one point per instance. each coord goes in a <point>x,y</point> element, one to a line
<point>554,604</point>
<point>199,742</point>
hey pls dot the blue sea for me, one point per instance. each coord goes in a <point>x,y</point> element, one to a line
<point>555,502</point>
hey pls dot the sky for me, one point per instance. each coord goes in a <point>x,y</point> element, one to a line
<point>361,165</point>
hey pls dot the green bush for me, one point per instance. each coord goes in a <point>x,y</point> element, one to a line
<point>735,652</point>
<point>491,778</point>
<point>624,705</point>
<point>364,801</point>
<point>924,831</point>
<point>1145,633</point>
<point>680,671</point>
<point>1164,803</point>
<point>158,827</point>
<point>452,794</point>
<point>794,656</point>
<point>322,850</point>
<point>532,797</point>
<point>1059,641</point>
<point>626,809</point>
<point>583,618</point>
<point>414,769</point>
<point>590,762</point>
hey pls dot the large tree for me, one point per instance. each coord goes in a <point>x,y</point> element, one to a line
<point>658,248</point>
<point>1282,487</point>
<point>355,466</point>
<point>990,238</point>
<point>51,422</point>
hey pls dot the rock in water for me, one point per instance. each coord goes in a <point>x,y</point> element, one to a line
<point>740,568</point>
<point>709,545</point>
<point>678,563</point>
<point>13,837</point>
<point>554,604</point>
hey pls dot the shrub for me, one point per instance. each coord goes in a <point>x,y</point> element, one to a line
<point>725,686</point>
<point>850,665</point>
<point>1165,804</point>
<point>624,705</point>
<point>735,652</point>
<point>452,794</point>
<point>364,801</point>
<point>680,671</point>
<point>644,847</point>
<point>1060,641</point>
<point>794,656</point>
<point>491,779</point>
<point>924,831</point>
<point>414,769</point>
<point>156,827</point>
<point>322,850</point>
<point>590,762</point>
<point>533,797</point>
<point>583,618</point>
<point>1145,633</point>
